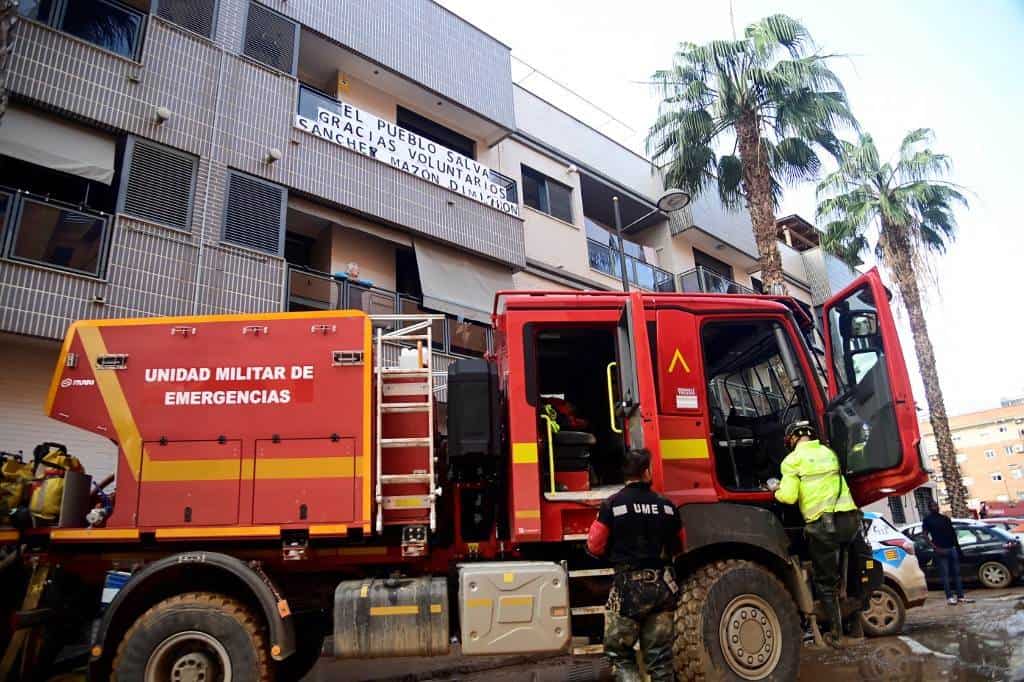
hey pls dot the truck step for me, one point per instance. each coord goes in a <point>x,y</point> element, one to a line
<point>574,537</point>
<point>404,478</point>
<point>405,442</point>
<point>591,572</point>
<point>406,502</point>
<point>588,650</point>
<point>404,407</point>
<point>587,610</point>
<point>402,372</point>
<point>405,389</point>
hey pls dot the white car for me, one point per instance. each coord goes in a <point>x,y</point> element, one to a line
<point>1010,525</point>
<point>904,585</point>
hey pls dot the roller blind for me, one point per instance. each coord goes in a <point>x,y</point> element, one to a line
<point>457,283</point>
<point>57,143</point>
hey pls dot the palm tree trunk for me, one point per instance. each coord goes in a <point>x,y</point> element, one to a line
<point>898,256</point>
<point>757,184</point>
<point>8,17</point>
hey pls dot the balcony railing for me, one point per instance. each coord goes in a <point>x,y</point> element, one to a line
<point>604,258</point>
<point>53,233</point>
<point>703,280</point>
<point>313,290</point>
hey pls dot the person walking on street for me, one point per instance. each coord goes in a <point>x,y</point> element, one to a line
<point>941,533</point>
<point>638,531</point>
<point>811,476</point>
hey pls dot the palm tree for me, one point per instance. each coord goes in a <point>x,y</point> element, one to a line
<point>907,208</point>
<point>772,98</point>
<point>8,17</point>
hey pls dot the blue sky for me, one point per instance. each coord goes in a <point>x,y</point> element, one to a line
<point>955,67</point>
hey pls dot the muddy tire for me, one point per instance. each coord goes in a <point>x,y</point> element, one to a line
<point>726,606</point>
<point>198,635</point>
<point>994,575</point>
<point>885,613</point>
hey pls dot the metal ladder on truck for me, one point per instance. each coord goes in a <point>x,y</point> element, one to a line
<point>406,488</point>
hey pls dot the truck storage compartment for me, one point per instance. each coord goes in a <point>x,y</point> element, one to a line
<point>306,480</point>
<point>472,408</point>
<point>391,617</point>
<point>508,607</point>
<point>190,483</point>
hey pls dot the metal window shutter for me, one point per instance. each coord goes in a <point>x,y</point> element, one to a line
<point>195,15</point>
<point>254,213</point>
<point>159,185</point>
<point>270,38</point>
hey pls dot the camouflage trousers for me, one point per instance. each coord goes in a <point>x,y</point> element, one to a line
<point>640,610</point>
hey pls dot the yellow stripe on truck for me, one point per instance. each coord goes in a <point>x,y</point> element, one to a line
<point>684,448</point>
<point>524,453</point>
<point>411,610</point>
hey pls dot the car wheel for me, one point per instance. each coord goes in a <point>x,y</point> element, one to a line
<point>885,613</point>
<point>994,575</point>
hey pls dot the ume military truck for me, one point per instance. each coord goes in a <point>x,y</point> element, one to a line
<point>289,484</point>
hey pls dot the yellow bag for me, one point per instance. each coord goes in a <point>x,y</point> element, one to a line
<point>14,477</point>
<point>48,494</point>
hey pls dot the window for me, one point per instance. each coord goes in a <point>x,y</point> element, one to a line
<point>435,132</point>
<point>271,38</point>
<point>198,16</point>
<point>899,516</point>
<point>1002,429</point>
<point>966,536</point>
<point>109,24</point>
<point>751,398</point>
<point>1008,450</point>
<point>997,476</point>
<point>159,183</point>
<point>546,195</point>
<point>54,219</point>
<point>254,213</point>
<point>990,454</point>
<point>922,498</point>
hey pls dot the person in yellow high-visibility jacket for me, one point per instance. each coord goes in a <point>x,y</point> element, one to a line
<point>811,476</point>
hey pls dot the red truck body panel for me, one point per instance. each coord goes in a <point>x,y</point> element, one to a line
<point>228,420</point>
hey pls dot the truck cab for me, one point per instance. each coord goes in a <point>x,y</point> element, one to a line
<point>708,384</point>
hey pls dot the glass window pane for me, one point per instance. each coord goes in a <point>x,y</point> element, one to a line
<point>59,236</point>
<point>310,101</point>
<point>533,190</point>
<point>5,204</point>
<point>468,338</point>
<point>600,257</point>
<point>633,249</point>
<point>105,24</point>
<point>644,275</point>
<point>36,9</point>
<point>560,198</point>
<point>598,232</point>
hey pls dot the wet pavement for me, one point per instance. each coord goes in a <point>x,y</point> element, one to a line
<point>980,641</point>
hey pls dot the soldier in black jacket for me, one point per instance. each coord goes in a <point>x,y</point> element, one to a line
<point>638,531</point>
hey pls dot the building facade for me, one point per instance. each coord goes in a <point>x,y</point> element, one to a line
<point>182,157</point>
<point>990,452</point>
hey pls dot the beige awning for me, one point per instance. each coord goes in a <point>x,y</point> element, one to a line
<point>59,144</point>
<point>344,219</point>
<point>457,283</point>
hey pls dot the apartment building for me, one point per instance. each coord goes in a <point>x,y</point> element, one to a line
<point>990,451</point>
<point>178,157</point>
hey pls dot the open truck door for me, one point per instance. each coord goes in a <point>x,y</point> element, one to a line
<point>871,417</point>
<point>638,401</point>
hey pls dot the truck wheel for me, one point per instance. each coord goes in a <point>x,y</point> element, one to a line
<point>736,621</point>
<point>885,613</point>
<point>994,575</point>
<point>194,636</point>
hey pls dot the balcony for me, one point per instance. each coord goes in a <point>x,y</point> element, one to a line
<point>53,234</point>
<point>703,280</point>
<point>313,290</point>
<point>603,255</point>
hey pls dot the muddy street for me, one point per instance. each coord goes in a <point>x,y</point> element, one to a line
<point>980,641</point>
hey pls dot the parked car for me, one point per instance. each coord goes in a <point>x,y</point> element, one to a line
<point>904,585</point>
<point>1014,527</point>
<point>991,556</point>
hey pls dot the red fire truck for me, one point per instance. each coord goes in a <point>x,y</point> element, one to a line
<point>288,484</point>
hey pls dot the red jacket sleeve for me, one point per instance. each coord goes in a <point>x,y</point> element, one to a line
<point>597,538</point>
